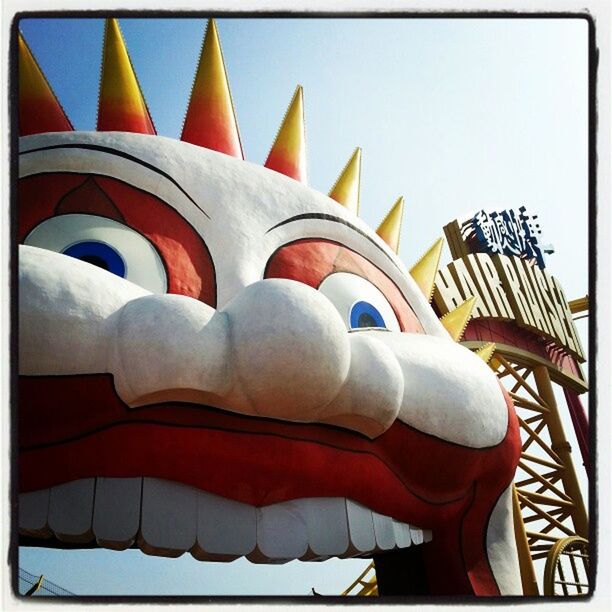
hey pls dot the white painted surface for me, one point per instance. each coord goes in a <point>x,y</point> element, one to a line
<point>76,318</point>
<point>225,527</point>
<point>501,546</point>
<point>168,524</point>
<point>371,396</point>
<point>298,342</point>
<point>416,535</point>
<point>281,531</point>
<point>116,517</point>
<point>66,310</point>
<point>143,265</point>
<point>361,527</point>
<point>401,532</point>
<point>173,518</point>
<point>33,512</point>
<point>343,290</point>
<point>243,198</point>
<point>168,343</point>
<point>71,510</point>
<point>326,525</point>
<point>383,531</point>
<point>449,391</point>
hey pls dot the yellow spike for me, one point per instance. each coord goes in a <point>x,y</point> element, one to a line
<point>424,271</point>
<point>456,320</point>
<point>121,105</point>
<point>389,229</point>
<point>486,351</point>
<point>288,153</point>
<point>347,188</point>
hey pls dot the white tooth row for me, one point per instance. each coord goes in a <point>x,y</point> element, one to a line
<point>167,519</point>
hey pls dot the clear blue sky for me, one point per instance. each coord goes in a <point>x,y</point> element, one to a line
<point>456,115</point>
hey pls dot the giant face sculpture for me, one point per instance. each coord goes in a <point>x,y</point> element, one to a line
<point>215,358</point>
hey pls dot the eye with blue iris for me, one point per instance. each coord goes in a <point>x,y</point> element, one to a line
<point>105,244</point>
<point>97,254</point>
<point>364,314</point>
<point>360,304</point>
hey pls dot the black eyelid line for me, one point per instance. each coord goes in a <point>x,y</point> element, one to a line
<point>127,156</point>
<point>334,219</point>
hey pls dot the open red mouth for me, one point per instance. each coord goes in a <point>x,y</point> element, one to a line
<point>404,473</point>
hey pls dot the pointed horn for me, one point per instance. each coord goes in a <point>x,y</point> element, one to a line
<point>486,352</point>
<point>346,189</point>
<point>121,106</point>
<point>389,229</point>
<point>456,320</point>
<point>288,153</point>
<point>211,120</point>
<point>424,271</point>
<point>39,109</point>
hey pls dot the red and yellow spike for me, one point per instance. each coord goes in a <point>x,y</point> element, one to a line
<point>121,107</point>
<point>424,271</point>
<point>210,120</point>
<point>347,188</point>
<point>39,109</point>
<point>288,153</point>
<point>389,229</point>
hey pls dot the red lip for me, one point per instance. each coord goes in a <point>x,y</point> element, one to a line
<point>76,427</point>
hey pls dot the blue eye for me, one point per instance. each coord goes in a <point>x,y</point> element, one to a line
<point>98,254</point>
<point>363,314</point>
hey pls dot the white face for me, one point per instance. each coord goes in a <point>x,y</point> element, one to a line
<point>279,303</point>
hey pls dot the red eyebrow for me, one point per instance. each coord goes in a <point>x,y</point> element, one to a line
<point>89,198</point>
<point>311,260</point>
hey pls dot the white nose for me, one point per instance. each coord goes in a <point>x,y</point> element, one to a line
<point>289,349</point>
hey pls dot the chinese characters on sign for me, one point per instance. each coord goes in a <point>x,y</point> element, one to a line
<point>507,233</point>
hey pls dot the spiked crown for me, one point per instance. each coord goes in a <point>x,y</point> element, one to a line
<point>210,122</point>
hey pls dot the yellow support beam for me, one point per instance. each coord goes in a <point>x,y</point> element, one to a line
<point>579,304</point>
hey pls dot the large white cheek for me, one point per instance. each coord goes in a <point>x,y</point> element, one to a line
<point>344,290</point>
<point>449,392</point>
<point>143,265</point>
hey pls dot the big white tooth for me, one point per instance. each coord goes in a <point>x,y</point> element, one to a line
<point>71,510</point>
<point>168,521</point>
<point>383,531</point>
<point>281,533</point>
<point>33,512</point>
<point>226,529</point>
<point>416,534</point>
<point>326,525</point>
<point>361,527</point>
<point>402,534</point>
<point>427,535</point>
<point>116,517</point>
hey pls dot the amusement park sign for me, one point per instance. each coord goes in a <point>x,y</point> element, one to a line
<point>508,233</point>
<point>513,289</point>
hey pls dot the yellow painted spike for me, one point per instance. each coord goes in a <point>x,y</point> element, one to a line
<point>456,320</point>
<point>288,153</point>
<point>486,352</point>
<point>389,229</point>
<point>346,189</point>
<point>121,105</point>
<point>424,271</point>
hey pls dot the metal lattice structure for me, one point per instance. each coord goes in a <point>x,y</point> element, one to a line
<point>365,585</point>
<point>549,510</point>
<point>547,494</point>
<point>567,568</point>
<point>31,585</point>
